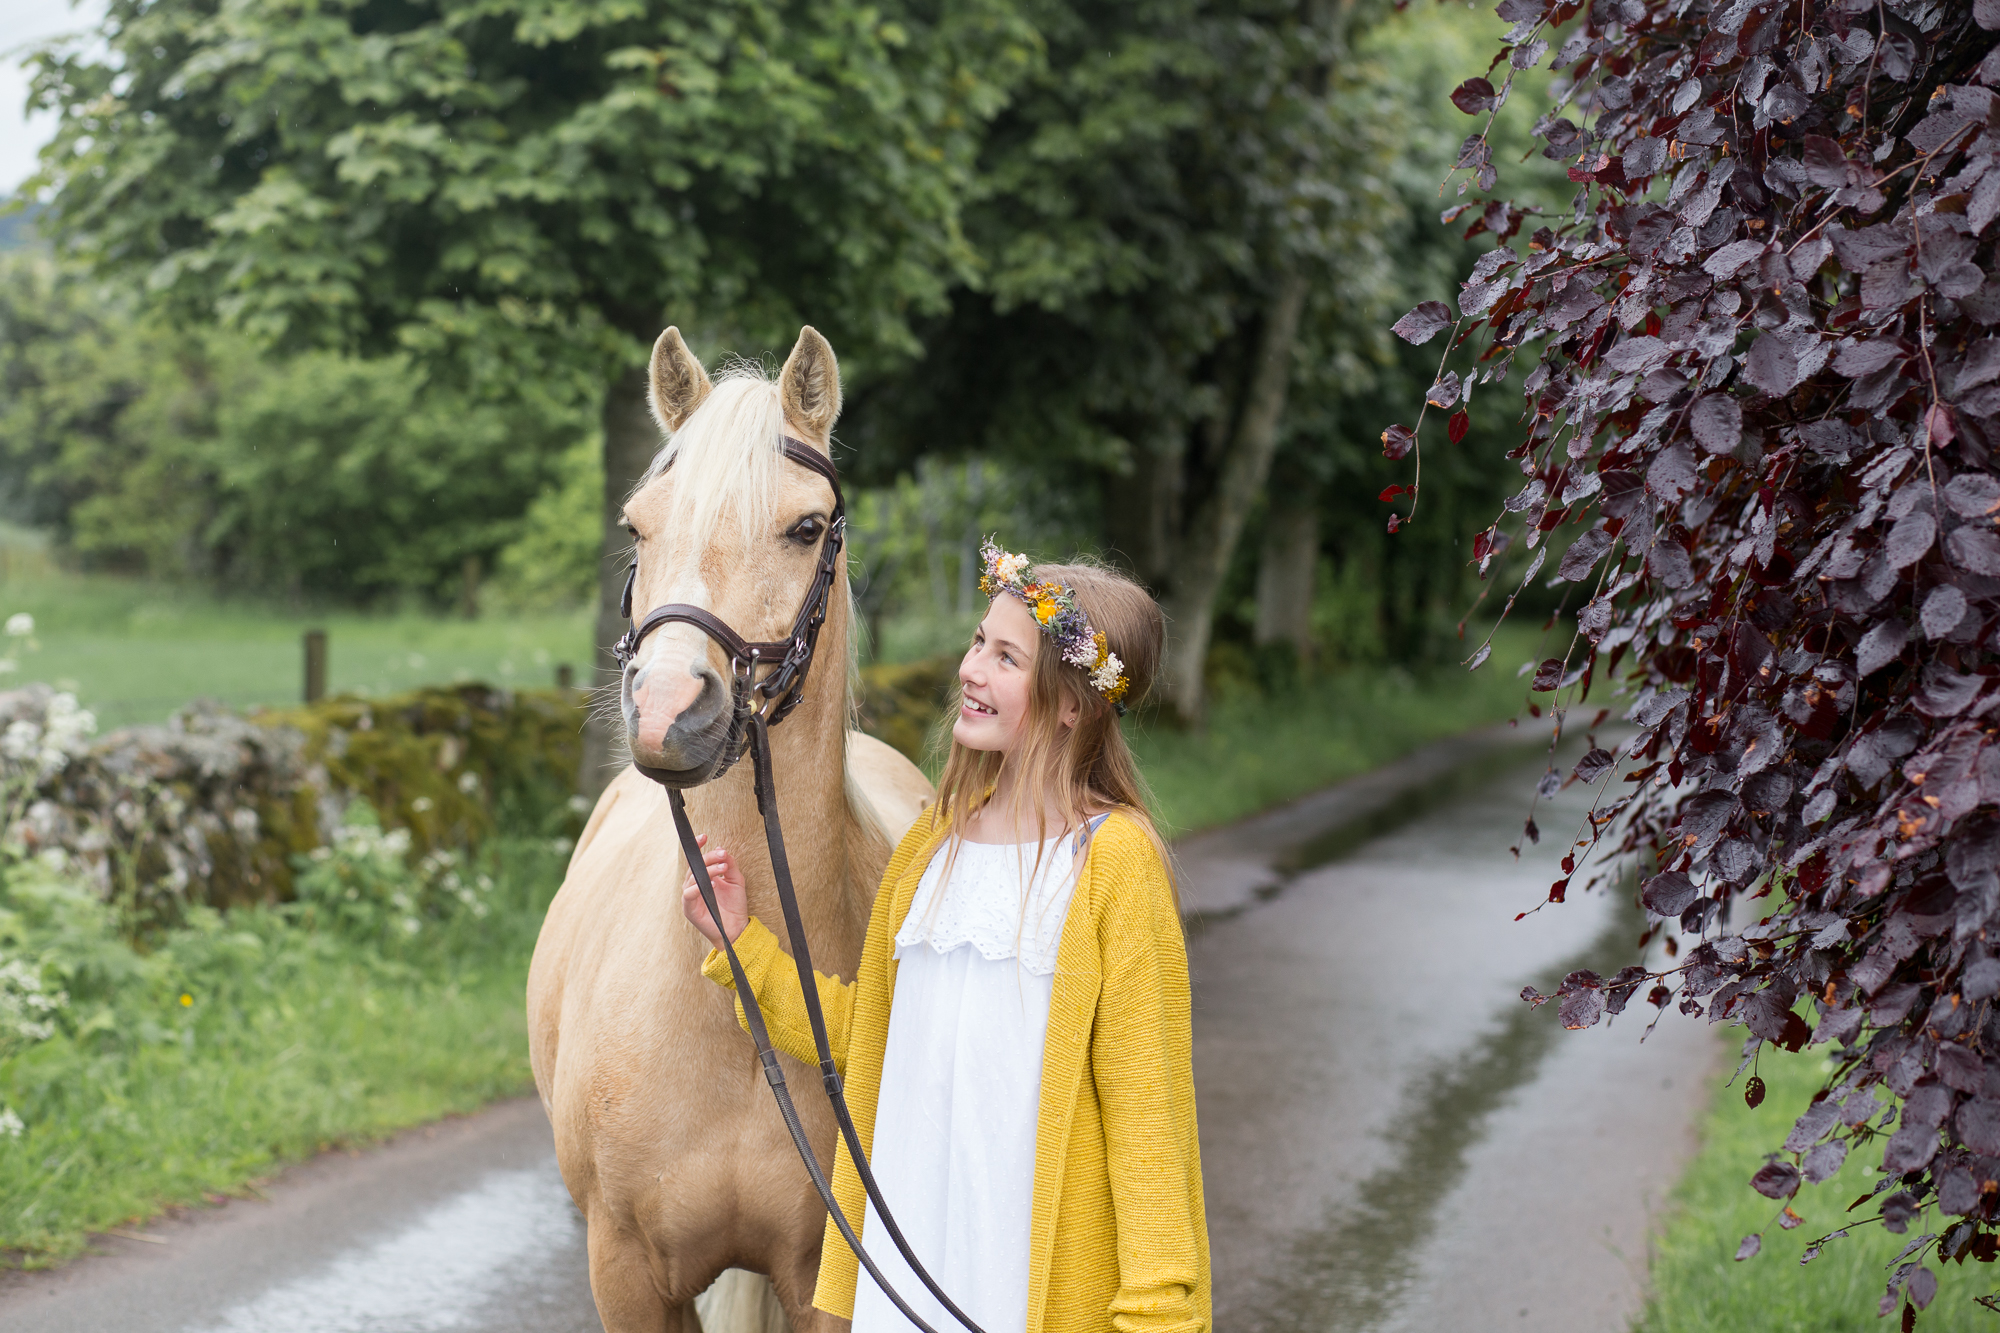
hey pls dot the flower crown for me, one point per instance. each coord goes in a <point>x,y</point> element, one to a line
<point>1056,611</point>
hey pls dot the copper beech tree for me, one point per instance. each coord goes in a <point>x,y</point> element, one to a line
<point>1763,400</point>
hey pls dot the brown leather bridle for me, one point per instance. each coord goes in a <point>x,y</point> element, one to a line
<point>760,703</point>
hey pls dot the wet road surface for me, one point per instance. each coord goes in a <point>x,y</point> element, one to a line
<point>1391,1140</point>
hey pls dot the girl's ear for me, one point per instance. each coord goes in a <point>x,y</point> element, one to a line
<point>1070,713</point>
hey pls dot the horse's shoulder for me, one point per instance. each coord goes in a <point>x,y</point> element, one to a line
<point>896,790</point>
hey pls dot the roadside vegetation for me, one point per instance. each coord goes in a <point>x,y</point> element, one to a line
<point>1699,1287</point>
<point>145,1074</point>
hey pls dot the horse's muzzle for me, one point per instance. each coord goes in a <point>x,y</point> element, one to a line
<point>688,745</point>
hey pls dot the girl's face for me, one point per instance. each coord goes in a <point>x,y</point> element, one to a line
<point>997,675</point>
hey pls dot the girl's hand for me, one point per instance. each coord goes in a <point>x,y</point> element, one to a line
<point>730,895</point>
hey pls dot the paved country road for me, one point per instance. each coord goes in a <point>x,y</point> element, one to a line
<point>1391,1140</point>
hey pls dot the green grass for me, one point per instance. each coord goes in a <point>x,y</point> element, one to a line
<point>1699,1288</point>
<point>1260,750</point>
<point>241,1042</point>
<point>135,652</point>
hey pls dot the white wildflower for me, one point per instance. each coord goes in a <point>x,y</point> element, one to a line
<point>10,1124</point>
<point>411,925</point>
<point>422,805</point>
<point>244,820</point>
<point>1105,678</point>
<point>20,625</point>
<point>468,782</point>
<point>22,740</point>
<point>579,805</point>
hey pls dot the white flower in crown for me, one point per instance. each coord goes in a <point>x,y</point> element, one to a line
<point>1081,652</point>
<point>1105,678</point>
<point>1011,568</point>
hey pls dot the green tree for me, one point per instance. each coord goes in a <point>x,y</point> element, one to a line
<point>188,455</point>
<point>1165,205</point>
<point>525,191</point>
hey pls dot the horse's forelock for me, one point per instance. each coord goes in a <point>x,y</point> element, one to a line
<point>725,458</point>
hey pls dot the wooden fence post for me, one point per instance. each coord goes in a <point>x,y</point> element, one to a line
<point>315,665</point>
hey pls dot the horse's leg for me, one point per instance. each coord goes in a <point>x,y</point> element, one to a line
<point>621,1282</point>
<point>793,1278</point>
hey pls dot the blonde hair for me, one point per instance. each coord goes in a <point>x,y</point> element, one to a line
<point>1081,770</point>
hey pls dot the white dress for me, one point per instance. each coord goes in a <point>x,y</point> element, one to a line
<point>954,1142</point>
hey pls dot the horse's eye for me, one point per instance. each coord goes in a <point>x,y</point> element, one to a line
<point>806,531</point>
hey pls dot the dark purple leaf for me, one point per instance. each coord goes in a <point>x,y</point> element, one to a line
<point>1825,1160</point>
<point>1471,97</point>
<point>1445,392</point>
<point>1974,494</point>
<point>1668,894</point>
<point>1911,538</point>
<point>1424,323</point>
<point>1897,1210</point>
<point>1747,1248</point>
<point>1548,675</point>
<point>1731,259</point>
<point>1583,555</point>
<point>1776,1180</point>
<point>1397,441</point>
<point>1881,646</point>
<point>1672,472</point>
<point>1594,765</point>
<point>1943,609</point>
<point>1923,1284</point>
<point>1978,1123</point>
<point>1974,550</point>
<point>1717,422</point>
<point>1865,358</point>
<point>1771,365</point>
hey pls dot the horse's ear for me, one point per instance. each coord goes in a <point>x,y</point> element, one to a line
<point>810,385</point>
<point>678,384</point>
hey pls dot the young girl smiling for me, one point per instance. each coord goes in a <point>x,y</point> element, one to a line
<point>1015,1044</point>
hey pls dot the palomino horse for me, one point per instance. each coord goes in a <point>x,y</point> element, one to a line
<point>665,1129</point>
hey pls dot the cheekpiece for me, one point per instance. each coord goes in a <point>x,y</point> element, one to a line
<point>1055,609</point>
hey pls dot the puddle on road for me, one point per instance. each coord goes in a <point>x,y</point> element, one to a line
<point>1350,1274</point>
<point>438,1273</point>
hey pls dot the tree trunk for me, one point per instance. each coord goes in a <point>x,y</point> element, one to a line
<point>1216,522</point>
<point>631,438</point>
<point>1285,569</point>
<point>1139,513</point>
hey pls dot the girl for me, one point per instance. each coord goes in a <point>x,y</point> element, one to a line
<point>1016,1043</point>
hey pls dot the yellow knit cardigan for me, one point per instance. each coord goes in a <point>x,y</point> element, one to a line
<point>1118,1239</point>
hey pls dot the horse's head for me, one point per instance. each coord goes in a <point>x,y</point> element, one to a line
<point>725,523</point>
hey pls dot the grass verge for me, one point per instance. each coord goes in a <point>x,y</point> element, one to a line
<point>239,1042</point>
<point>1698,1287</point>
<point>1260,750</point>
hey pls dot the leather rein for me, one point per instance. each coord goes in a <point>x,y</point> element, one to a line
<point>760,703</point>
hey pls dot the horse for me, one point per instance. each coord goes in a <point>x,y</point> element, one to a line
<point>665,1129</point>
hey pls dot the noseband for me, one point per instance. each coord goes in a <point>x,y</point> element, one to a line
<point>784,664</point>
<point>776,693</point>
